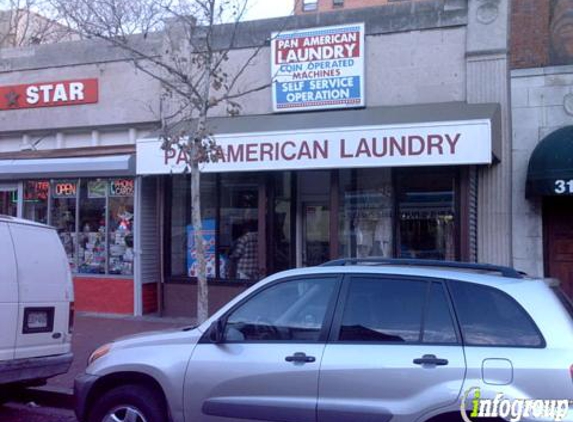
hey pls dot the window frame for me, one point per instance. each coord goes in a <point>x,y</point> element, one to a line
<point>328,317</point>
<point>430,281</point>
<point>448,283</point>
<point>309,6</point>
<point>77,214</point>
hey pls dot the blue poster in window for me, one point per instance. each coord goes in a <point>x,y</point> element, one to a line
<point>210,249</point>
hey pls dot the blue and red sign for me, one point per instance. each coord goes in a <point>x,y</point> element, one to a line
<point>318,68</point>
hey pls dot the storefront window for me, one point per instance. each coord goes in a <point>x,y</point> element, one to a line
<point>182,242</point>
<point>426,207</point>
<point>9,200</point>
<point>121,194</point>
<point>63,215</point>
<point>101,240</point>
<point>209,226</point>
<point>366,213</point>
<point>180,219</point>
<point>36,196</point>
<point>314,208</point>
<point>239,226</point>
<point>92,250</point>
<point>281,245</point>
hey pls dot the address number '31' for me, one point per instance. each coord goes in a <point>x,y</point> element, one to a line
<point>563,186</point>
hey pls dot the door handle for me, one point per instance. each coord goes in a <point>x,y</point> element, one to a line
<point>300,357</point>
<point>431,360</point>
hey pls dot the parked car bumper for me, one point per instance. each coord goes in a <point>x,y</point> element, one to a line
<point>31,369</point>
<point>82,387</point>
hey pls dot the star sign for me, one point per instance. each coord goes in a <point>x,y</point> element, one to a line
<point>12,98</point>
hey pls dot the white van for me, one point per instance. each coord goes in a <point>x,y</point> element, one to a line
<point>36,303</point>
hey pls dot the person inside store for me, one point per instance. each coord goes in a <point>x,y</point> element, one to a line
<point>245,252</point>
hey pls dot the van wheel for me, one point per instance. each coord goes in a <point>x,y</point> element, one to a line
<point>129,403</point>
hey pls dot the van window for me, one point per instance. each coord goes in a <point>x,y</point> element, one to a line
<point>489,317</point>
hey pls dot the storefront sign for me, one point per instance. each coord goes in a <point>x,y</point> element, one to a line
<point>96,189</point>
<point>447,143</point>
<point>36,190</point>
<point>65,189</point>
<point>121,187</point>
<point>49,94</point>
<point>319,68</point>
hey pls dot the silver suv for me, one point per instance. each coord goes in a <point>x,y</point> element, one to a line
<point>353,340</point>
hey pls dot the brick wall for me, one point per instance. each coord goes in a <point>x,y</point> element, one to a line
<point>328,5</point>
<point>530,33</point>
<point>105,295</point>
<point>149,299</point>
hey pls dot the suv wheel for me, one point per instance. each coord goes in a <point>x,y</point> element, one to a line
<point>128,403</point>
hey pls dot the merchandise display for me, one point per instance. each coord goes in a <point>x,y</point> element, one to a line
<point>94,219</point>
<point>121,254</point>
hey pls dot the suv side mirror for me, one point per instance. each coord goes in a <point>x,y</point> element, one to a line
<point>216,331</point>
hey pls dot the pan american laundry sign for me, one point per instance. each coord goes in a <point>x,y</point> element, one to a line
<point>318,68</point>
<point>430,144</point>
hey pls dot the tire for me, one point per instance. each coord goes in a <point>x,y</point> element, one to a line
<point>129,403</point>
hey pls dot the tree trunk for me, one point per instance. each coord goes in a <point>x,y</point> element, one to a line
<point>202,287</point>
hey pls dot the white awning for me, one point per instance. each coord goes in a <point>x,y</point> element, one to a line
<point>106,166</point>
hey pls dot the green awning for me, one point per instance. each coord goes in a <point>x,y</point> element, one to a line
<point>550,169</point>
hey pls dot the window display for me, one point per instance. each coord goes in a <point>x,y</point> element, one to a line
<point>63,215</point>
<point>94,219</point>
<point>36,194</point>
<point>121,192</point>
<point>92,250</point>
<point>229,208</point>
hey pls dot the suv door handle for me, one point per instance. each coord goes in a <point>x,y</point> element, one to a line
<point>431,360</point>
<point>300,357</point>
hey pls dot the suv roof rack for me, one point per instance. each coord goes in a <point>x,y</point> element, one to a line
<point>507,272</point>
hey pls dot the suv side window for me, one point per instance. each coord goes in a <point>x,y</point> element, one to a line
<point>489,317</point>
<point>383,310</point>
<point>294,310</point>
<point>439,327</point>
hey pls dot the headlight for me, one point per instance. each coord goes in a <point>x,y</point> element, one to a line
<point>99,352</point>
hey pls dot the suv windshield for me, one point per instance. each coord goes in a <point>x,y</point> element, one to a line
<point>564,300</point>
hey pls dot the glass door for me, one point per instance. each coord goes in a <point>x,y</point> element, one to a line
<point>9,200</point>
<point>314,211</point>
<point>316,234</point>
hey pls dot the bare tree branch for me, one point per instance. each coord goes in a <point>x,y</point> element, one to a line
<point>192,62</point>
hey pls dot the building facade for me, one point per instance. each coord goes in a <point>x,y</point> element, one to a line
<point>70,115</point>
<point>542,104</point>
<point>310,6</point>
<point>298,189</point>
<point>385,133</point>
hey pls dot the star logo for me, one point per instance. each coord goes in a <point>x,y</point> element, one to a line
<point>12,98</point>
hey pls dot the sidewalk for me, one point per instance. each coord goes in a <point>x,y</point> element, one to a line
<point>93,330</point>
